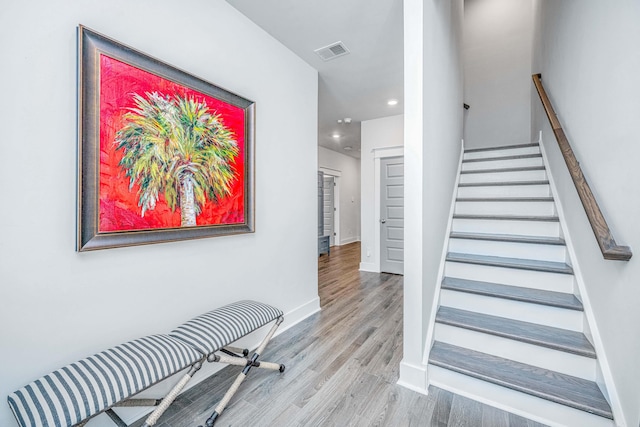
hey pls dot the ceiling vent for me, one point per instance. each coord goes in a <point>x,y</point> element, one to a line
<point>332,51</point>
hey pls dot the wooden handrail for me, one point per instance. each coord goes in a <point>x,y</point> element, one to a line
<point>610,249</point>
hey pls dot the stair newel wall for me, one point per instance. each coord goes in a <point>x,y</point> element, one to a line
<point>443,257</point>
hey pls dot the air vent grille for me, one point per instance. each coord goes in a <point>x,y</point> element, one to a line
<point>334,50</point>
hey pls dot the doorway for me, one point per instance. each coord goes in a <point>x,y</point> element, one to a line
<point>392,215</point>
<point>329,208</point>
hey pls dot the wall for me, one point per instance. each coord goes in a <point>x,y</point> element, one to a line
<point>376,134</point>
<point>349,171</point>
<point>433,133</point>
<point>56,305</point>
<point>588,55</point>
<point>497,60</point>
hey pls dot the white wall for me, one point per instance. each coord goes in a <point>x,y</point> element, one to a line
<point>433,133</point>
<point>56,305</point>
<point>348,169</point>
<point>376,134</point>
<point>497,61</point>
<point>588,55</point>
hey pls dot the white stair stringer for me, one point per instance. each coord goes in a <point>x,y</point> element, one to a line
<point>510,305</point>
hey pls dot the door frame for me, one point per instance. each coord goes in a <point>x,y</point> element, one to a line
<point>378,154</point>
<point>336,174</point>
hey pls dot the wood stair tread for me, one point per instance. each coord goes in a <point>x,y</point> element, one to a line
<point>504,199</point>
<point>502,183</point>
<point>515,293</point>
<point>518,263</point>
<point>564,389</point>
<point>532,333</point>
<point>503,147</point>
<point>513,157</point>
<point>508,238</point>
<point>508,217</point>
<point>500,170</point>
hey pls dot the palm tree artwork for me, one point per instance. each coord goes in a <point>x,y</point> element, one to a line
<point>177,147</point>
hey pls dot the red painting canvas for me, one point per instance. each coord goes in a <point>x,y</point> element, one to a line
<point>170,156</point>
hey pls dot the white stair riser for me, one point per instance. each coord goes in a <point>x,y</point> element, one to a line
<point>502,153</point>
<point>502,164</point>
<point>540,410</point>
<point>554,360</point>
<point>541,190</point>
<point>506,208</point>
<point>557,253</point>
<point>536,175</point>
<point>498,226</point>
<point>511,276</point>
<point>571,320</point>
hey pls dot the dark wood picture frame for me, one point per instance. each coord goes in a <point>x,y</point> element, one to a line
<point>91,47</point>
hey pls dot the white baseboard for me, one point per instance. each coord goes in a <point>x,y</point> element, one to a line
<point>251,341</point>
<point>413,377</point>
<point>369,266</point>
<point>298,314</point>
<point>349,240</point>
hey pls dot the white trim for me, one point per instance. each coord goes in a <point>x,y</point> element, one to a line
<point>349,240</point>
<point>337,210</point>
<point>378,155</point>
<point>413,377</point>
<point>329,171</point>
<point>394,151</point>
<point>445,247</point>
<point>298,314</point>
<point>607,376</point>
<point>369,266</point>
<point>376,212</point>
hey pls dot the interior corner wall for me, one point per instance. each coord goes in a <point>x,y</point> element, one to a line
<point>497,77</point>
<point>433,133</point>
<point>58,306</point>
<point>349,168</point>
<point>377,133</point>
<point>588,55</point>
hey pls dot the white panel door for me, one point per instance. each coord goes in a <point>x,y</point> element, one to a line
<point>329,208</point>
<point>392,215</point>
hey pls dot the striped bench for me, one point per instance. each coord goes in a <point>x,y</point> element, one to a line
<point>82,390</point>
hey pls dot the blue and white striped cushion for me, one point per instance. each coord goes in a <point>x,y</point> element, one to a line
<point>213,330</point>
<point>85,388</point>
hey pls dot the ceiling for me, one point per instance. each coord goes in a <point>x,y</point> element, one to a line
<point>357,85</point>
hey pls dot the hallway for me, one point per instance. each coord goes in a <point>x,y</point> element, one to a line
<point>342,367</point>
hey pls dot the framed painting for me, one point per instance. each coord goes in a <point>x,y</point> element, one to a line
<point>163,155</point>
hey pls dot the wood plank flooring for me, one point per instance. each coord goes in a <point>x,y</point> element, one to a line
<point>342,367</point>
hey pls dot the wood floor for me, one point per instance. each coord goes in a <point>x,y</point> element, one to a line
<point>342,367</point>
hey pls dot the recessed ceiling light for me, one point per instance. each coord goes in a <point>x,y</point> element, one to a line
<point>336,136</point>
<point>392,102</point>
<point>348,148</point>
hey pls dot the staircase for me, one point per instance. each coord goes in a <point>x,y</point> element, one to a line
<point>510,329</point>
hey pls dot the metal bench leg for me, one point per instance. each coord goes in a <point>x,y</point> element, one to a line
<point>168,400</point>
<point>241,361</point>
<point>236,350</point>
<point>115,418</point>
<point>138,402</point>
<point>242,375</point>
